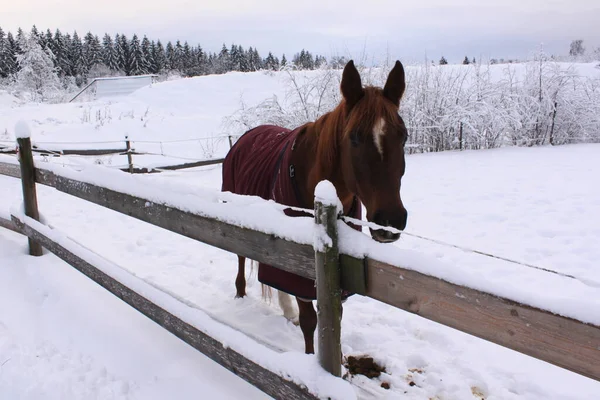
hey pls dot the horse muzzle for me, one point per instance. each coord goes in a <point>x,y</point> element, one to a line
<point>396,219</point>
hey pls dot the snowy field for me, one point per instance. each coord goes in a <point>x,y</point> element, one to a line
<point>62,336</point>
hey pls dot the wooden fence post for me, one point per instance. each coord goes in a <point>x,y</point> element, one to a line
<point>129,155</point>
<point>230,141</point>
<point>28,185</point>
<point>460,135</point>
<point>329,302</point>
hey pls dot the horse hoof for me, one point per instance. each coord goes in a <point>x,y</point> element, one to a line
<point>240,296</point>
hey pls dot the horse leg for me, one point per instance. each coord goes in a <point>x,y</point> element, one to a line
<point>286,305</point>
<point>308,324</point>
<point>240,280</point>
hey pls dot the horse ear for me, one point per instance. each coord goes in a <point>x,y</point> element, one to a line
<point>351,85</point>
<point>395,85</point>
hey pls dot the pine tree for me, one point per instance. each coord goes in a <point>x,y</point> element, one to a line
<point>78,62</point>
<point>320,61</point>
<point>92,51</point>
<point>304,60</point>
<point>6,58</point>
<point>49,40</point>
<point>61,54</point>
<point>202,61</point>
<point>254,60</point>
<point>244,61</point>
<point>187,60</point>
<point>270,63</point>
<point>443,61</point>
<point>20,39</point>
<point>109,53</point>
<point>258,65</point>
<point>283,61</point>
<point>576,48</point>
<point>159,58</point>
<point>466,61</point>
<point>37,74</point>
<point>170,55</point>
<point>178,56</point>
<point>235,58</point>
<point>123,53</point>
<point>35,35</point>
<point>137,63</point>
<point>148,56</point>
<point>223,62</point>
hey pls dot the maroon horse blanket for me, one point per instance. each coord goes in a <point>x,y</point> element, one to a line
<point>259,164</point>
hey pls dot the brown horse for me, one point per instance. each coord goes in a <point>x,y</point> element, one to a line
<point>359,147</point>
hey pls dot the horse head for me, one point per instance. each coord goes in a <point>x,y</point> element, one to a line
<point>372,148</point>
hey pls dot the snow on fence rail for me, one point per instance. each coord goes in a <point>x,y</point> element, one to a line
<point>378,271</point>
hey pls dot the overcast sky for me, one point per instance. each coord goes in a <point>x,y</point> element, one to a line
<point>409,29</point>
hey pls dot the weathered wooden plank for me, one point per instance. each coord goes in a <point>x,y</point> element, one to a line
<point>262,247</point>
<point>8,224</point>
<point>45,177</point>
<point>12,170</point>
<point>142,170</point>
<point>329,293</point>
<point>353,274</point>
<point>561,341</point>
<point>29,191</point>
<point>153,170</point>
<point>42,176</point>
<point>82,152</point>
<point>192,164</point>
<point>269,382</point>
<point>7,150</point>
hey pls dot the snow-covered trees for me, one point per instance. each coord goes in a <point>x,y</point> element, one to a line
<point>78,59</point>
<point>109,53</point>
<point>271,62</point>
<point>137,60</point>
<point>37,74</point>
<point>7,56</point>
<point>451,107</point>
<point>576,48</point>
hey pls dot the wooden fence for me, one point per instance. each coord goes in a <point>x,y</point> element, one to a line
<point>562,341</point>
<point>126,150</point>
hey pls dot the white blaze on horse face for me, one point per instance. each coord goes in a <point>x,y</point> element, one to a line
<point>378,132</point>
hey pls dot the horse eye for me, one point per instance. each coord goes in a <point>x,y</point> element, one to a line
<point>354,140</point>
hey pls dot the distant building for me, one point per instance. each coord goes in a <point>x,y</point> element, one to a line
<point>114,86</point>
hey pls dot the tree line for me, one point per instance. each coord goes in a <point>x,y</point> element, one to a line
<point>86,57</point>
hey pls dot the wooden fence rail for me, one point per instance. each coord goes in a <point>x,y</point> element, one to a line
<point>565,342</point>
<point>127,150</point>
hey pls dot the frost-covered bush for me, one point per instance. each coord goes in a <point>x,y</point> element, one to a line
<point>451,107</point>
<point>37,77</point>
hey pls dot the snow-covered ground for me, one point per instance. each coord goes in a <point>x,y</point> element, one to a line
<point>62,336</point>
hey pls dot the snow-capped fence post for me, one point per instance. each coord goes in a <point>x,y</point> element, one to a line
<point>327,264</point>
<point>129,154</point>
<point>28,181</point>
